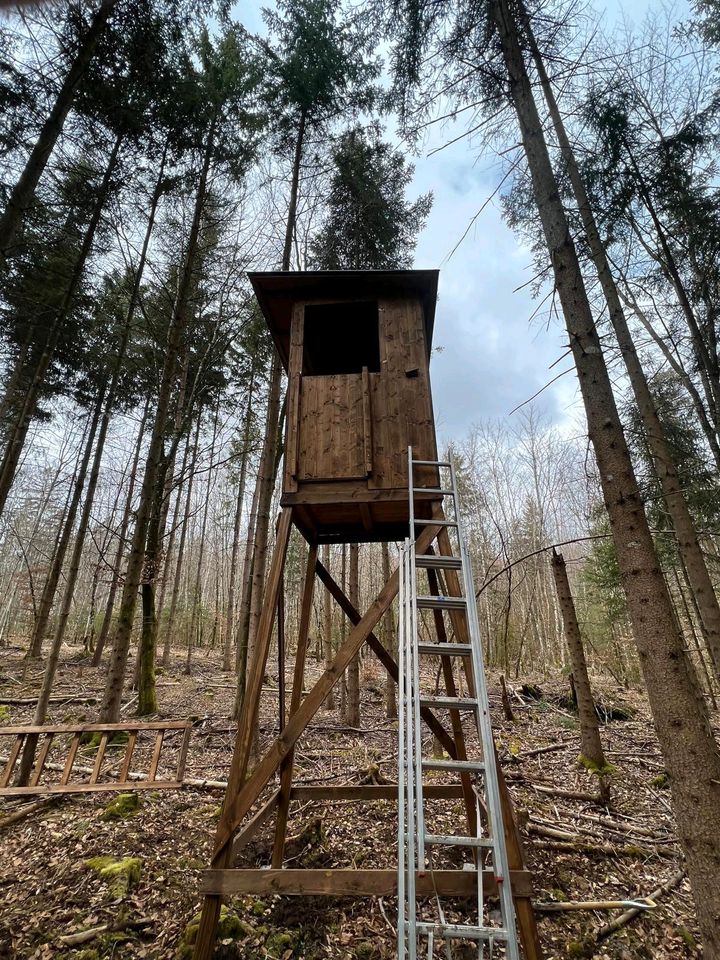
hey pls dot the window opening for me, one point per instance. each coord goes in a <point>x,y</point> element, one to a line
<point>341,338</point>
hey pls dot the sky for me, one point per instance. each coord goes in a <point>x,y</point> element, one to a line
<point>490,357</point>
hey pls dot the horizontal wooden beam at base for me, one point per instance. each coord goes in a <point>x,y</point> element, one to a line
<point>125,787</point>
<point>353,883</point>
<point>370,792</point>
<point>95,727</point>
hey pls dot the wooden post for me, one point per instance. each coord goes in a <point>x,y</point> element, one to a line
<point>286,767</point>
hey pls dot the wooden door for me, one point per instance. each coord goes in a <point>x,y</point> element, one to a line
<point>331,436</point>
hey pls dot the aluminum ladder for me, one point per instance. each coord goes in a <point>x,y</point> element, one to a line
<point>422,923</point>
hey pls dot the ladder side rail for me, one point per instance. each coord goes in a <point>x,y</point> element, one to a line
<point>417,756</point>
<point>411,802</point>
<point>500,859</point>
<point>402,765</point>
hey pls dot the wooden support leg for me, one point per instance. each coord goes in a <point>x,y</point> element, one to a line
<point>524,913</point>
<point>286,767</point>
<point>205,942</point>
<point>281,654</point>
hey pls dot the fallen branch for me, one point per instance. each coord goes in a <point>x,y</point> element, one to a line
<point>83,936</point>
<point>32,701</point>
<point>26,810</point>
<point>570,794</point>
<point>538,750</point>
<point>633,912</point>
<point>564,906</point>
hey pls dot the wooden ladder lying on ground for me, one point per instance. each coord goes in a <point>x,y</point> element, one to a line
<point>69,738</point>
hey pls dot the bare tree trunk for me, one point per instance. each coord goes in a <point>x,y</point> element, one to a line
<point>328,627</point>
<point>237,525</point>
<point>590,743</point>
<point>195,621</point>
<point>663,460</point>
<point>122,536</point>
<point>390,637</point>
<point>352,717</point>
<point>53,578</point>
<point>243,630</point>
<point>266,484</point>
<point>181,551</point>
<point>23,192</point>
<point>72,573</point>
<point>174,523</point>
<point>692,757</point>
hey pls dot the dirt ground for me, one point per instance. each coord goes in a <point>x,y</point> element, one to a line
<point>577,850</point>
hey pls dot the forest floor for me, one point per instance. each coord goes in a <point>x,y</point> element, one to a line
<point>49,892</point>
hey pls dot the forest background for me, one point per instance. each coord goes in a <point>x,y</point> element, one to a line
<point>157,150</point>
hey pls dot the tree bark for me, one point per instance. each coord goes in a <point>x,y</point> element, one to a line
<point>352,717</point>
<point>665,467</point>
<point>122,536</point>
<point>237,526</point>
<point>181,551</point>
<point>390,637</point>
<point>590,743</point>
<point>691,754</point>
<point>197,592</point>
<point>243,630</point>
<point>23,192</point>
<point>72,573</point>
<point>328,627</point>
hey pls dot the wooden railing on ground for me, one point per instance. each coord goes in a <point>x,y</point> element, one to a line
<point>100,745</point>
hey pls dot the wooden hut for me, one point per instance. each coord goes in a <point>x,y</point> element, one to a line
<point>356,347</point>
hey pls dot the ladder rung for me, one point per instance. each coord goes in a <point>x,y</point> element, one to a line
<point>446,649</point>
<point>436,490</point>
<point>441,603</point>
<point>459,931</point>
<point>469,765</point>
<point>438,840</point>
<point>436,561</point>
<point>431,463</point>
<point>434,523</point>
<point>450,703</point>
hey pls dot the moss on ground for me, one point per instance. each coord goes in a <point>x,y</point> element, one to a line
<point>122,806</point>
<point>4,713</point>
<point>121,875</point>
<point>230,927</point>
<point>600,770</point>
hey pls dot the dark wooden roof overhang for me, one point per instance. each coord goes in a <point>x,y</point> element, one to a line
<point>277,291</point>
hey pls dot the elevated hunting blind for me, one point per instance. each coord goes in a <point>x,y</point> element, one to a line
<point>356,348</point>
